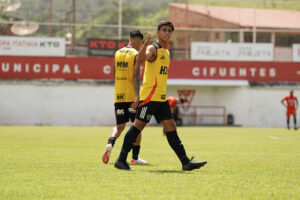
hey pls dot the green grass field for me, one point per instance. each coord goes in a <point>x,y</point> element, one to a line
<point>65,163</point>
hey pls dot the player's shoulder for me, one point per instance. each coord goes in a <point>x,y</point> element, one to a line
<point>156,45</point>
<point>286,97</point>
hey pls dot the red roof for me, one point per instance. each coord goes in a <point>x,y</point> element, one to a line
<point>244,17</point>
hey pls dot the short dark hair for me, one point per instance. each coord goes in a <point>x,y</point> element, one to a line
<point>136,34</point>
<point>165,23</point>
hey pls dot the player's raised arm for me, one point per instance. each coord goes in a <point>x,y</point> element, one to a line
<point>140,58</point>
<point>142,55</point>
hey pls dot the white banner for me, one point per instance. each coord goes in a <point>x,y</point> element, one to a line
<point>32,46</point>
<point>232,51</point>
<point>296,52</point>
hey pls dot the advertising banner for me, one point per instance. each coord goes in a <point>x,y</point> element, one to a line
<point>225,70</point>
<point>296,52</point>
<point>103,47</point>
<point>32,46</point>
<point>14,67</point>
<point>232,51</point>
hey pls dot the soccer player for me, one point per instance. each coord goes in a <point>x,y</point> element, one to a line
<point>153,100</point>
<point>173,102</point>
<point>291,103</point>
<point>126,90</point>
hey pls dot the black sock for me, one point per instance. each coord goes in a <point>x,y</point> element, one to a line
<point>177,146</point>
<point>295,122</point>
<point>288,122</point>
<point>135,152</point>
<point>129,139</point>
<point>112,141</point>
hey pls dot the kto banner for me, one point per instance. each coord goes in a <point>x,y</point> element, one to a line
<point>32,46</point>
<point>14,67</point>
<point>296,52</point>
<point>232,51</point>
<point>103,47</point>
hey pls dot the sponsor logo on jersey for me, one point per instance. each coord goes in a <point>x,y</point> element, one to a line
<point>131,110</point>
<point>120,96</point>
<point>163,96</point>
<point>122,64</point>
<point>121,78</point>
<point>120,112</point>
<point>148,117</point>
<point>163,70</point>
<point>162,57</point>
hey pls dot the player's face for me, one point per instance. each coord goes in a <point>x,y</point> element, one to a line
<point>165,33</point>
<point>139,44</point>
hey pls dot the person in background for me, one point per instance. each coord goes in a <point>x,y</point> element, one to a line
<point>174,102</point>
<point>291,103</point>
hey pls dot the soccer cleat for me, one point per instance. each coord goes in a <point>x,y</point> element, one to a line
<point>191,165</point>
<point>122,165</point>
<point>138,161</point>
<point>106,154</point>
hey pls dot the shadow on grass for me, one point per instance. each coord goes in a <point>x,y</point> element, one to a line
<point>167,171</point>
<point>141,165</point>
<point>132,165</point>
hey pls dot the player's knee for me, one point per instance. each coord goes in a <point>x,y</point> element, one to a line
<point>139,124</point>
<point>120,128</point>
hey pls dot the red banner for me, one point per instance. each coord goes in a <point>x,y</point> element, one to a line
<point>14,67</point>
<point>223,70</point>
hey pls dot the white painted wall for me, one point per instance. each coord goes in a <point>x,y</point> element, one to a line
<point>251,106</point>
<point>56,104</point>
<point>27,103</point>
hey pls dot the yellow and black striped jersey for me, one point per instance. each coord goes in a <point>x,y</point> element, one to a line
<point>123,66</point>
<point>155,76</point>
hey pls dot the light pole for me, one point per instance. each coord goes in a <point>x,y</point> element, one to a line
<point>50,19</point>
<point>120,20</point>
<point>186,38</point>
<point>73,27</point>
<point>254,23</point>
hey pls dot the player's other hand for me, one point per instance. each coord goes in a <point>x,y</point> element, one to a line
<point>135,104</point>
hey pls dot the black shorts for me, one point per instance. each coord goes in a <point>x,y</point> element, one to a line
<point>160,110</point>
<point>123,112</point>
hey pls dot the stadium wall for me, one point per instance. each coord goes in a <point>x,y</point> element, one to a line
<point>73,104</point>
